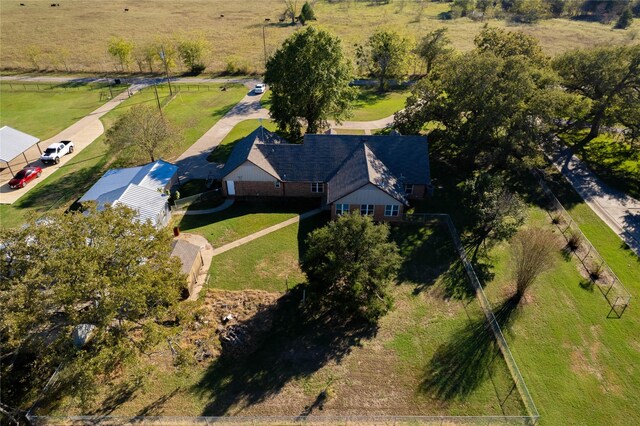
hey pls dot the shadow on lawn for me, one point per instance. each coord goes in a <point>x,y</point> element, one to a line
<point>462,364</point>
<point>297,344</point>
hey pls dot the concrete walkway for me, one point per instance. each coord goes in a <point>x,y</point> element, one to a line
<point>255,236</point>
<point>619,211</point>
<point>82,133</point>
<point>206,250</point>
<point>228,202</point>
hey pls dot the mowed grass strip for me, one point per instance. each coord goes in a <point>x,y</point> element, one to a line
<point>570,354</point>
<point>221,153</point>
<point>43,110</point>
<point>194,111</point>
<point>237,37</point>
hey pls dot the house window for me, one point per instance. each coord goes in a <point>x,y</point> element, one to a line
<point>342,209</point>
<point>408,188</point>
<point>317,187</point>
<point>391,210</point>
<point>277,184</point>
<point>366,209</point>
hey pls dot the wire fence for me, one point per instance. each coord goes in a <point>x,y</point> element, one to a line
<point>518,380</point>
<point>598,273</point>
<point>282,420</point>
<point>51,87</point>
<point>183,203</point>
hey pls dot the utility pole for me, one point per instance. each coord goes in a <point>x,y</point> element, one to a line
<point>264,42</point>
<point>155,88</point>
<point>166,68</point>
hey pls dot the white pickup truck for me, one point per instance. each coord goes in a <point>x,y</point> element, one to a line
<point>54,152</point>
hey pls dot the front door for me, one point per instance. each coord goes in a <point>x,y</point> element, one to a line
<point>231,188</point>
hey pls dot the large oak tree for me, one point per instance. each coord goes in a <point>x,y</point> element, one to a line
<point>103,276</point>
<point>607,79</point>
<point>309,80</point>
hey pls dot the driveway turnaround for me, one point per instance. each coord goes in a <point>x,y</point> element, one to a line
<point>193,162</point>
<point>618,210</point>
<point>81,133</point>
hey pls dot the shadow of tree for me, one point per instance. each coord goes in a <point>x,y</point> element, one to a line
<point>427,252</point>
<point>297,344</point>
<point>118,395</point>
<point>155,408</point>
<point>462,364</point>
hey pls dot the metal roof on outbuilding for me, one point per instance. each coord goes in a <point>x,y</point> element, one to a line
<point>13,142</point>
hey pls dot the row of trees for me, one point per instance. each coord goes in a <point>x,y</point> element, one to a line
<point>493,105</point>
<point>530,11</point>
<point>191,49</point>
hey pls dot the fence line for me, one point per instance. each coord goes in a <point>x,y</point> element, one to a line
<point>279,420</point>
<point>182,203</point>
<point>488,312</point>
<point>598,271</point>
<point>50,87</point>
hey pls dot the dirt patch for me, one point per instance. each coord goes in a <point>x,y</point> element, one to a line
<point>222,322</point>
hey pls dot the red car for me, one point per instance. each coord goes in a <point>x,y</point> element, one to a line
<point>25,176</point>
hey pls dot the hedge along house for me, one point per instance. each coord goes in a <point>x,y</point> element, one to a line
<point>375,175</point>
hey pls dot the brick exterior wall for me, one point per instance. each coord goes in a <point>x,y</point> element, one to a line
<point>301,189</point>
<point>254,189</point>
<point>378,213</point>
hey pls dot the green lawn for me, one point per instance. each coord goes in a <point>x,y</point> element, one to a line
<point>244,218</point>
<point>269,263</point>
<point>369,105</point>
<point>52,109</point>
<point>572,357</point>
<point>372,105</point>
<point>616,163</point>
<point>195,111</point>
<point>429,356</point>
<point>242,129</point>
<point>349,131</point>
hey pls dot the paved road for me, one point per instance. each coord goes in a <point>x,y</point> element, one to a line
<point>82,133</point>
<point>618,210</point>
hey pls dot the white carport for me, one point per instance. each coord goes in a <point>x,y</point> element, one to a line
<point>13,143</point>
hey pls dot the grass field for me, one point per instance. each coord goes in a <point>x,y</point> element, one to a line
<point>242,129</point>
<point>415,363</point>
<point>238,35</point>
<point>372,105</point>
<point>195,111</point>
<point>51,109</point>
<point>571,355</point>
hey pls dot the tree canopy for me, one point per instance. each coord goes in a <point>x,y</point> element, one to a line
<point>492,107</point>
<point>309,79</point>
<point>192,49</point>
<point>142,130</point>
<point>350,263</point>
<point>101,272</point>
<point>121,49</point>
<point>388,56</point>
<point>607,80</point>
<point>494,212</point>
<point>434,47</point>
